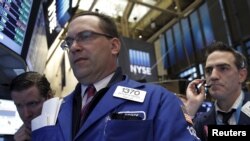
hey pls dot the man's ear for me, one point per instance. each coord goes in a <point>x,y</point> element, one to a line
<point>242,75</point>
<point>116,46</point>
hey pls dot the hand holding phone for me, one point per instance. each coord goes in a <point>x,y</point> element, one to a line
<point>198,86</point>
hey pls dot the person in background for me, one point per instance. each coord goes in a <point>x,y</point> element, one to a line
<point>28,91</point>
<point>225,73</point>
<point>121,109</point>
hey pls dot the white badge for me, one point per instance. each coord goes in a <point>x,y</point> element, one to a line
<point>130,94</point>
<point>246,108</point>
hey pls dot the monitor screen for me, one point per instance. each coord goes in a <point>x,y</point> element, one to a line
<point>187,40</point>
<point>197,31</point>
<point>164,52</point>
<point>171,47</point>
<point>56,13</point>
<point>10,121</point>
<point>178,43</point>
<point>62,10</point>
<point>14,21</point>
<point>38,45</point>
<point>206,24</point>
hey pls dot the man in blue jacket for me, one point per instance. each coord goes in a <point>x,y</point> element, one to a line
<point>121,109</point>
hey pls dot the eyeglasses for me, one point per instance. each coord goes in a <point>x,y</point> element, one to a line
<point>83,36</point>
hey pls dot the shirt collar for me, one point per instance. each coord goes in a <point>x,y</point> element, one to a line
<point>236,104</point>
<point>98,85</point>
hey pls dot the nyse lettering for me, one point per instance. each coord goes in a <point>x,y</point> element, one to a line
<point>140,70</point>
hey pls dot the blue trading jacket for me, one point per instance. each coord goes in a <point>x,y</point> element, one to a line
<point>160,118</point>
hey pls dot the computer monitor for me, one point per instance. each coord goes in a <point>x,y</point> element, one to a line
<point>14,20</point>
<point>10,120</point>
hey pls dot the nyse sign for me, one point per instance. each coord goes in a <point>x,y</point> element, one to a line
<point>139,62</point>
<point>140,70</point>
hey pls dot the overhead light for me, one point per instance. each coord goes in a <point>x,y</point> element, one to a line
<point>113,8</point>
<point>116,8</point>
<point>97,10</point>
<point>74,3</point>
<point>135,19</point>
<point>143,10</point>
<point>176,8</point>
<point>85,4</point>
<point>153,25</point>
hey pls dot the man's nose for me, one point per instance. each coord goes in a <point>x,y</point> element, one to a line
<point>214,74</point>
<point>26,112</point>
<point>75,46</point>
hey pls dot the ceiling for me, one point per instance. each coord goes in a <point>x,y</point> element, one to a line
<point>144,19</point>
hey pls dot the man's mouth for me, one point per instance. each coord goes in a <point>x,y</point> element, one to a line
<point>79,59</point>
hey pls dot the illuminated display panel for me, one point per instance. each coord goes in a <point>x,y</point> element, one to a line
<point>56,13</point>
<point>140,58</point>
<point>206,24</point>
<point>62,8</point>
<point>178,42</point>
<point>171,47</point>
<point>14,16</point>
<point>164,52</point>
<point>187,39</point>
<point>38,45</point>
<point>196,29</point>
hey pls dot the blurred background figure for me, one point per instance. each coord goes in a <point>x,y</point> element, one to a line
<point>28,91</point>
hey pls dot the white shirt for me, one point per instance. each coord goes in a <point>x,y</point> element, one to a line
<point>237,104</point>
<point>98,86</point>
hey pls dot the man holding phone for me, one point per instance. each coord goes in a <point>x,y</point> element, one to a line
<point>225,73</point>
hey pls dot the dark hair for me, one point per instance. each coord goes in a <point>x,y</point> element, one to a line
<point>29,79</point>
<point>106,24</point>
<point>240,59</point>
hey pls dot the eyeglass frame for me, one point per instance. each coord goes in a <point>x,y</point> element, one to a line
<point>81,37</point>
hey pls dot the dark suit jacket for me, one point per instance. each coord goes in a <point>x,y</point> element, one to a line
<point>208,118</point>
